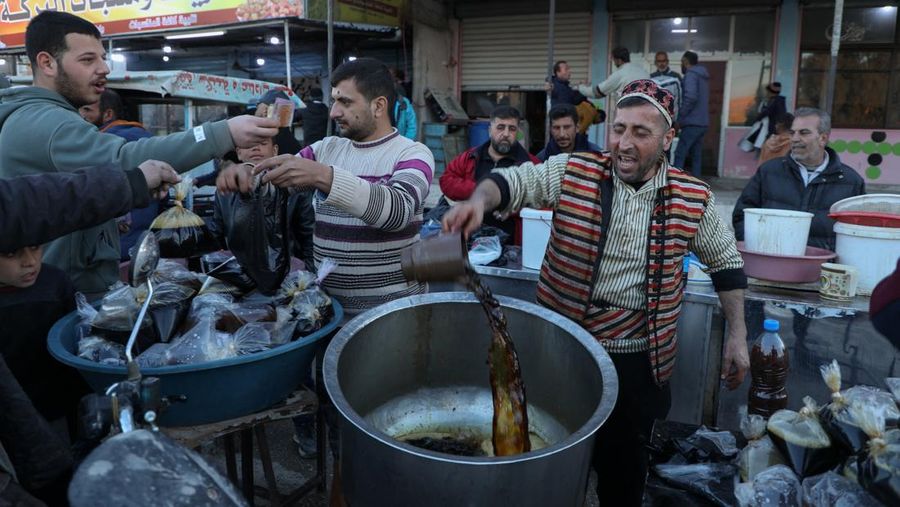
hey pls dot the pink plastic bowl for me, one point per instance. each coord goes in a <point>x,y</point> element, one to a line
<point>785,268</point>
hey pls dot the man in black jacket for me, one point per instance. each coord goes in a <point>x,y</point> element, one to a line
<point>31,453</point>
<point>811,179</point>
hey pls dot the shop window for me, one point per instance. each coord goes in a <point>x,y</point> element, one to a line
<point>867,82</point>
<point>748,81</point>
<point>860,91</point>
<point>858,26</point>
<point>630,34</point>
<point>667,35</point>
<point>753,33</point>
<point>709,34</point>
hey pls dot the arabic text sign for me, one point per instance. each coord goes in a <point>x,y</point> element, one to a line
<point>124,16</point>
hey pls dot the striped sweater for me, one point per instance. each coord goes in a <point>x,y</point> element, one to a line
<point>374,211</point>
<point>582,189</point>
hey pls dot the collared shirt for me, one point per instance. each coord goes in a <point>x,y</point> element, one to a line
<point>623,269</point>
<point>807,174</point>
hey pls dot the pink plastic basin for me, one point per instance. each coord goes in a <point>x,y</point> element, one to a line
<point>785,268</point>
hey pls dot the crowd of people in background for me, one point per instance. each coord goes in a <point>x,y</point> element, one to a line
<point>358,196</point>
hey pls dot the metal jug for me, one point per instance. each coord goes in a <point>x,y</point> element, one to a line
<point>441,258</point>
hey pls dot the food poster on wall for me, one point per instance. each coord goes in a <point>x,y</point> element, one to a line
<point>132,16</point>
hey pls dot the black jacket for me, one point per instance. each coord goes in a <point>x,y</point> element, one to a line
<point>563,93</point>
<point>33,210</point>
<point>773,109</point>
<point>38,208</point>
<point>301,222</point>
<point>777,185</point>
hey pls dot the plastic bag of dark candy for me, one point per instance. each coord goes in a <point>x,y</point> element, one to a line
<point>221,266</point>
<point>259,235</point>
<point>116,316</point>
<point>803,442</point>
<point>836,417</point>
<point>879,467</point>
<point>181,233</point>
<point>169,308</point>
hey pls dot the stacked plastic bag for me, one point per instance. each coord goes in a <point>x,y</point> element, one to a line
<point>843,454</point>
<point>195,319</point>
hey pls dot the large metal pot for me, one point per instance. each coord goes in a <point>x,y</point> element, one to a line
<point>419,364</point>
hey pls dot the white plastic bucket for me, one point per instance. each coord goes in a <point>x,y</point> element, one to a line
<point>536,225</point>
<point>776,231</point>
<point>872,250</point>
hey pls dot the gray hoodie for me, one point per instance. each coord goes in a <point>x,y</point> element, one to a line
<point>41,132</point>
<point>694,110</point>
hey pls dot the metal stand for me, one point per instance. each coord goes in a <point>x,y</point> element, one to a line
<point>301,402</point>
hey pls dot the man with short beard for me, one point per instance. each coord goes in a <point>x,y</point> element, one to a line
<point>370,187</point>
<point>41,131</point>
<point>623,222</point>
<point>500,150</point>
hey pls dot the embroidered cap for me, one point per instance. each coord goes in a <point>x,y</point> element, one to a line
<point>657,96</point>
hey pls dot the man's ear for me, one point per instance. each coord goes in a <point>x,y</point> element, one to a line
<point>380,106</point>
<point>668,137</point>
<point>275,147</point>
<point>107,116</point>
<point>47,64</point>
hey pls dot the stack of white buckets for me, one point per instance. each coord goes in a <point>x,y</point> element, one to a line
<point>872,250</point>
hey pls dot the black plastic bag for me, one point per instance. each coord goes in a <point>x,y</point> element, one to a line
<point>181,233</point>
<point>713,481</point>
<point>259,236</point>
<point>168,308</point>
<point>221,266</point>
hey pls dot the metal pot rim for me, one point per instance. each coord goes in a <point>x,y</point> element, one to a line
<point>601,357</point>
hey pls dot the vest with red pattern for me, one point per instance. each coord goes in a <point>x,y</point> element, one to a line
<point>570,268</point>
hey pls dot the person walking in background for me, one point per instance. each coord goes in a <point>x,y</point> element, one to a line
<point>774,107</point>
<point>778,145</point>
<point>693,117</point>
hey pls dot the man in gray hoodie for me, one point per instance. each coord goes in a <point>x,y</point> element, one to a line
<point>693,115</point>
<point>41,131</point>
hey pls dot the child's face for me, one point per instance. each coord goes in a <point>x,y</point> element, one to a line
<point>20,268</point>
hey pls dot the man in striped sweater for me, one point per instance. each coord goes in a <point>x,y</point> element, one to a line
<point>622,225</point>
<point>370,183</point>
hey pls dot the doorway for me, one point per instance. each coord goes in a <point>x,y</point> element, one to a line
<point>716,103</point>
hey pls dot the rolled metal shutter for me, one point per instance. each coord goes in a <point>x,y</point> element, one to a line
<point>511,51</point>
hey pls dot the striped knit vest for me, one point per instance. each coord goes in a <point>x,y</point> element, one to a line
<point>571,264</point>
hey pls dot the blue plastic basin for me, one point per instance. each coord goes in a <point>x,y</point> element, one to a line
<point>216,390</point>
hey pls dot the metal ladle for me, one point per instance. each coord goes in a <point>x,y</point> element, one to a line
<point>143,265</point>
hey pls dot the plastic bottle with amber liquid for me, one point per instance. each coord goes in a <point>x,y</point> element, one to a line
<point>768,368</point>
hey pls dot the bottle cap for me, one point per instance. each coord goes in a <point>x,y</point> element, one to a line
<point>771,325</point>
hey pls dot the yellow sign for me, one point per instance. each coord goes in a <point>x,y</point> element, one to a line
<point>372,12</point>
<point>130,16</point>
